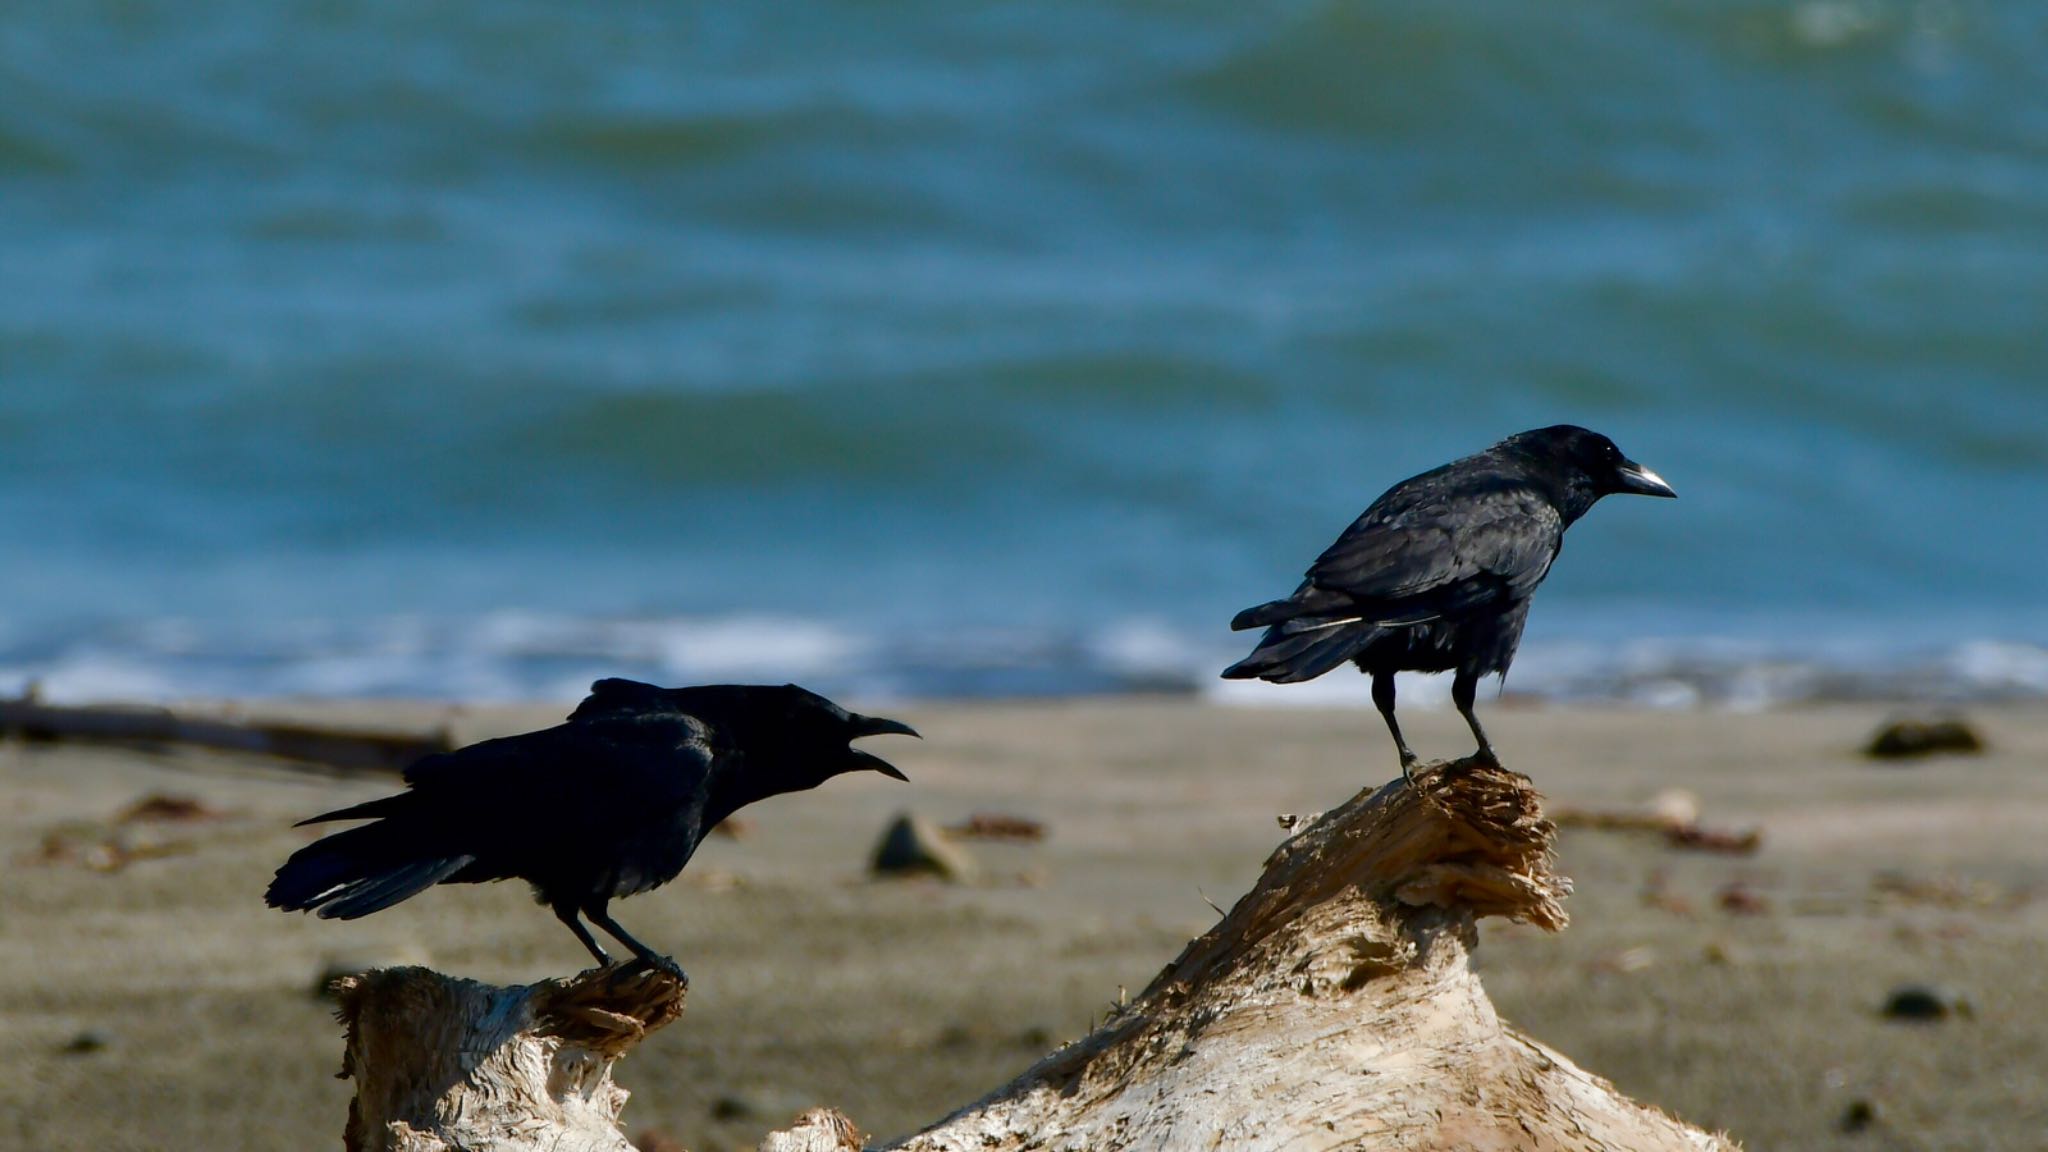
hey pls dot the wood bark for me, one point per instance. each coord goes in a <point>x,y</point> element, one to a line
<point>1334,1007</point>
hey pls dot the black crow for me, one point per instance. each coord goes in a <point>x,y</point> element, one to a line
<point>611,803</point>
<point>1436,576</point>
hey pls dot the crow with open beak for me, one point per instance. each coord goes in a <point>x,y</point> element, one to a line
<point>611,803</point>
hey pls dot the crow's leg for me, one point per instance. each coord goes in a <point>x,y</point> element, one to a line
<point>1383,699</point>
<point>565,911</point>
<point>1464,686</point>
<point>648,956</point>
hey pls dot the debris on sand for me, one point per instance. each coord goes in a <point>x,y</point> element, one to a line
<point>1623,961</point>
<point>1724,954</point>
<point>1657,894</point>
<point>1675,815</point>
<point>1697,839</point>
<point>1942,890</point>
<point>658,1140</point>
<point>166,808</point>
<point>1909,738</point>
<point>1612,819</point>
<point>998,826</point>
<point>137,832</point>
<point>913,846</point>
<point>98,848</point>
<point>1737,898</point>
<point>712,880</point>
<point>733,828</point>
<point>1676,808</point>
<point>758,1102</point>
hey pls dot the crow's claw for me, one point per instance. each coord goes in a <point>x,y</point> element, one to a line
<point>661,964</point>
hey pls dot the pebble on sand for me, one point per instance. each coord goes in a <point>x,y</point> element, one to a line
<point>913,846</point>
<point>1911,738</point>
<point>1859,1115</point>
<point>1923,1002</point>
<point>88,1041</point>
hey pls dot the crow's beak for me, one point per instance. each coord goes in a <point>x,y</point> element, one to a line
<point>1633,477</point>
<point>875,763</point>
<point>879,726</point>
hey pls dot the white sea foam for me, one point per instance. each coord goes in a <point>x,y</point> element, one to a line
<point>507,656</point>
<point>91,676</point>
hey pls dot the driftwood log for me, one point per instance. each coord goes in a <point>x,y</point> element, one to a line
<point>1334,1007</point>
<point>342,748</point>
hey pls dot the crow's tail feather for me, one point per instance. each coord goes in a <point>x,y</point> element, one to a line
<point>360,871</point>
<point>388,806</point>
<point>376,893</point>
<point>1310,607</point>
<point>1287,656</point>
<point>1264,615</point>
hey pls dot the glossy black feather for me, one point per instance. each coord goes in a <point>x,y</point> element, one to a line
<point>611,803</point>
<point>1437,574</point>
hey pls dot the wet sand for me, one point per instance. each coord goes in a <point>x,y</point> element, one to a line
<point>898,1001</point>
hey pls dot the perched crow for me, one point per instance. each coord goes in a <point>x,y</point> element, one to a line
<point>609,804</point>
<point>1436,576</point>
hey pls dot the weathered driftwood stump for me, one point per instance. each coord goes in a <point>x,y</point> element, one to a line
<point>447,1065</point>
<point>1334,1007</point>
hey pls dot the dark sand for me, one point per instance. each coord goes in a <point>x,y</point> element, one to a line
<point>900,1001</point>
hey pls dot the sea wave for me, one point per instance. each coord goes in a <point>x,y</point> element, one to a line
<point>971,351</point>
<point>524,656</point>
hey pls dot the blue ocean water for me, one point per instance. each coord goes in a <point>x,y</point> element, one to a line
<point>473,350</point>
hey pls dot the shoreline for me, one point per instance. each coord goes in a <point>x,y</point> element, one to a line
<point>908,999</point>
<point>1573,658</point>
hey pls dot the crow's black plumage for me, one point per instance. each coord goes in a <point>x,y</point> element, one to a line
<point>611,803</point>
<point>1436,576</point>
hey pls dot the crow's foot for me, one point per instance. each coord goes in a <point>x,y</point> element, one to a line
<point>652,963</point>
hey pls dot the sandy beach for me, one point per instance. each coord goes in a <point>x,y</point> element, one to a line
<point>158,1004</point>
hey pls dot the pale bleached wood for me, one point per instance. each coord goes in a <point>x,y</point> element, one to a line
<point>1334,1007</point>
<point>448,1065</point>
<point>819,1130</point>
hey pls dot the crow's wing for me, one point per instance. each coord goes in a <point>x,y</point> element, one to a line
<point>573,785</point>
<point>615,694</point>
<point>584,810</point>
<point>608,749</point>
<point>1428,551</point>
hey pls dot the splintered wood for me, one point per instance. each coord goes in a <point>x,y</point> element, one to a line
<point>1334,1007</point>
<point>447,1065</point>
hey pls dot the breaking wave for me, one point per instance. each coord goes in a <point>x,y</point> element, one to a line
<point>520,656</point>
